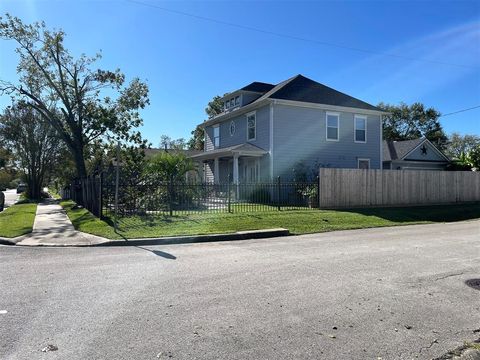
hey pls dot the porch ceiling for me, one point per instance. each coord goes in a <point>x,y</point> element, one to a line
<point>245,149</point>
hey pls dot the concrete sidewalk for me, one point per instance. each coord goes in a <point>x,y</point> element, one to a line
<point>52,227</point>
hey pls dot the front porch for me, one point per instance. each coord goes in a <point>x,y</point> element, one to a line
<point>243,163</point>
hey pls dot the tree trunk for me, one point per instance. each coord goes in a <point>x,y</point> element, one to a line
<point>79,162</point>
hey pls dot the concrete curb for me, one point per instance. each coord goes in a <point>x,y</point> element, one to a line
<point>240,235</point>
<point>170,240</point>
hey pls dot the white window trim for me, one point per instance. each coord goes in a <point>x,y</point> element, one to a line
<point>214,137</point>
<point>355,117</point>
<point>338,125</point>
<point>363,159</point>
<point>254,113</point>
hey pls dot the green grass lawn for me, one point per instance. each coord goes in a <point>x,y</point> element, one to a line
<point>17,220</point>
<point>297,221</point>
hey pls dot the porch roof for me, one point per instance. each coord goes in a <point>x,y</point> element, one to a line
<point>244,149</point>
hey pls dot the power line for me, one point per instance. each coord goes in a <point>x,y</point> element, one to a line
<point>460,111</point>
<point>294,37</point>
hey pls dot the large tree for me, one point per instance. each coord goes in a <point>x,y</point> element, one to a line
<point>169,143</point>
<point>34,143</point>
<point>197,140</point>
<point>214,107</point>
<point>461,144</point>
<point>83,104</point>
<point>408,122</point>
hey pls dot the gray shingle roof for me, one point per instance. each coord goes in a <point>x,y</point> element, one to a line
<point>395,150</point>
<point>258,87</point>
<point>301,88</point>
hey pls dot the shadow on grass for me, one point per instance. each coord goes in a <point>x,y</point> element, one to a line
<point>440,213</point>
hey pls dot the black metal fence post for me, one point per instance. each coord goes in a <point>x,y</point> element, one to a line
<point>278,193</point>
<point>170,197</point>
<point>229,195</point>
<point>100,195</point>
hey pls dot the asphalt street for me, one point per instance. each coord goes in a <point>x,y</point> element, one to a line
<point>392,293</point>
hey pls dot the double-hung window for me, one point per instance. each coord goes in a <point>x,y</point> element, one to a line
<point>216,136</point>
<point>333,120</point>
<point>360,128</point>
<point>251,126</point>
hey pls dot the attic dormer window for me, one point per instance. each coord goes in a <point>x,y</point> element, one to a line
<point>237,100</point>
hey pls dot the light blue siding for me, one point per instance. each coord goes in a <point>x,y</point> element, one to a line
<point>262,139</point>
<point>299,134</point>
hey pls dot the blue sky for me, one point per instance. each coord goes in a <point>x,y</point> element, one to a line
<point>187,60</point>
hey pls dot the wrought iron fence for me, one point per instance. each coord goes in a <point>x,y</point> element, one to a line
<point>97,194</point>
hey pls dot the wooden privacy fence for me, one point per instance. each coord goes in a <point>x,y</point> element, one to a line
<point>344,188</point>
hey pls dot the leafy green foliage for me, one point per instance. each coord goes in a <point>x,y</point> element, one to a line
<point>467,161</point>
<point>34,142</point>
<point>83,104</point>
<point>166,142</point>
<point>197,140</point>
<point>169,166</point>
<point>408,122</point>
<point>461,144</point>
<point>474,157</point>
<point>214,107</point>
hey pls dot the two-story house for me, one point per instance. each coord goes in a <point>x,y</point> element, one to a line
<point>266,129</point>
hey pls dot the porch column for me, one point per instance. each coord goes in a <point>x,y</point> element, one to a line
<point>235,168</point>
<point>216,171</point>
<point>235,174</point>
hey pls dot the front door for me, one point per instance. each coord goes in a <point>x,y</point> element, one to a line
<point>251,171</point>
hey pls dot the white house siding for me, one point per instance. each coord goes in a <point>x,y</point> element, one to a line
<point>299,134</point>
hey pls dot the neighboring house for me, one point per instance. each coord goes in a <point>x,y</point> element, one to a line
<point>266,129</point>
<point>418,154</point>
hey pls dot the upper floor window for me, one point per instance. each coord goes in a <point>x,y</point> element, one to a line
<point>251,126</point>
<point>237,100</point>
<point>332,126</point>
<point>216,136</point>
<point>360,128</point>
<point>232,128</point>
